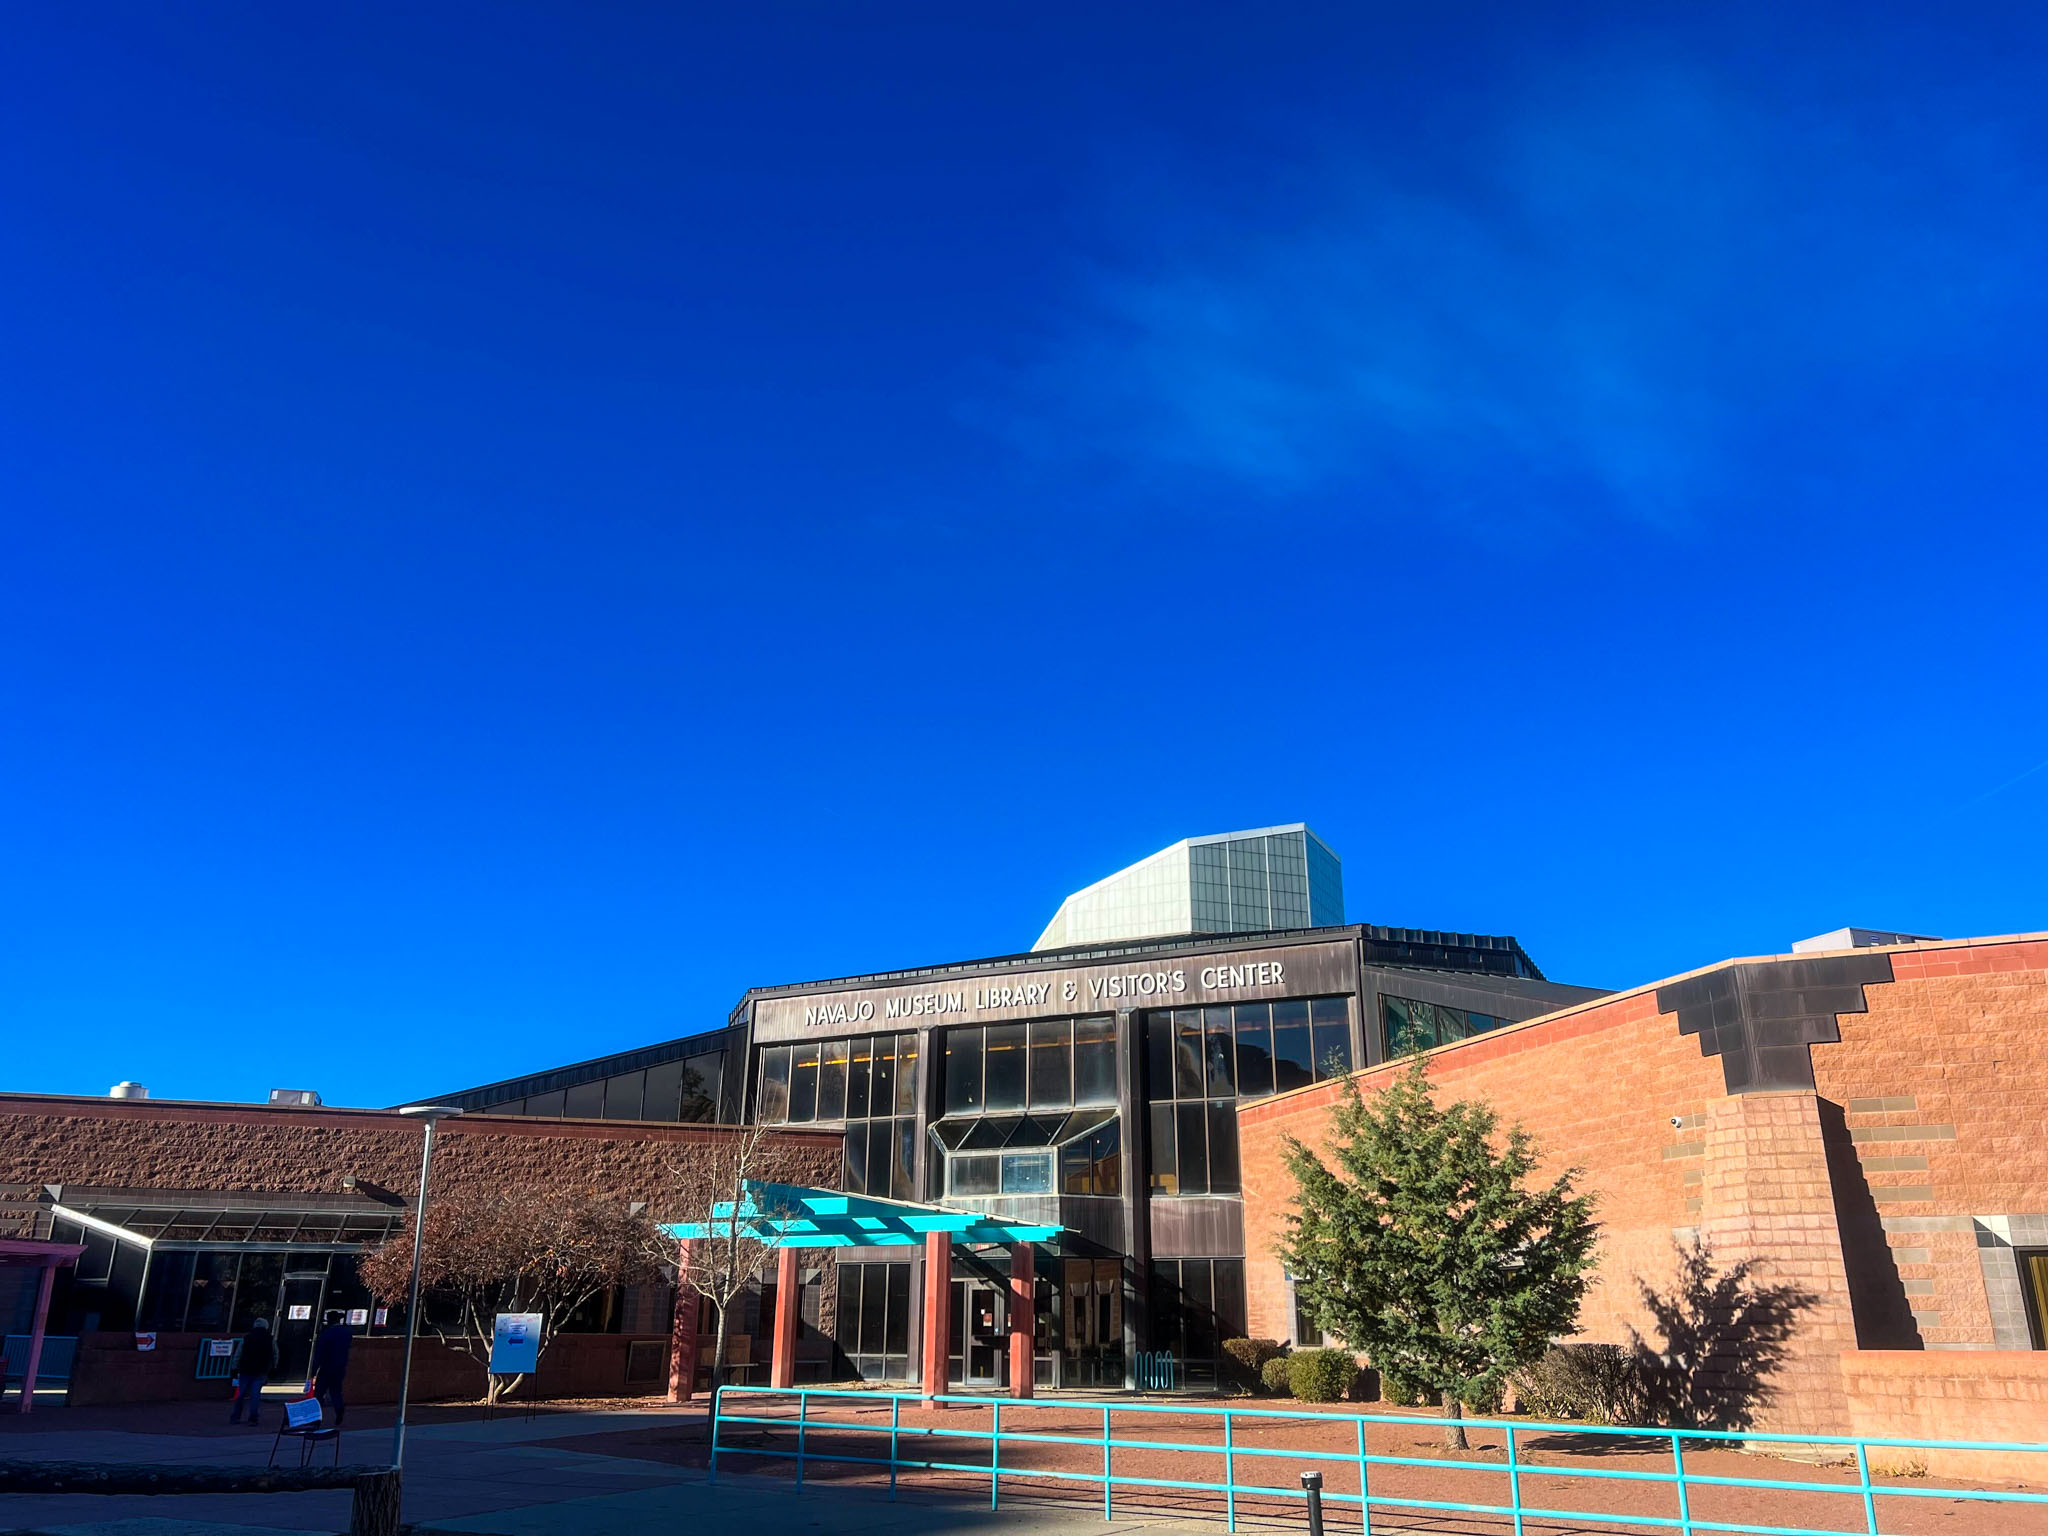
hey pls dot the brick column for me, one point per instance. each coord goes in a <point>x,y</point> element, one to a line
<point>1765,1195</point>
<point>789,1297</point>
<point>938,1303</point>
<point>682,1352</point>
<point>1023,1313</point>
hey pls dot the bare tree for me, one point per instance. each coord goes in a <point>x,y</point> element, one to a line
<point>737,1249</point>
<point>527,1251</point>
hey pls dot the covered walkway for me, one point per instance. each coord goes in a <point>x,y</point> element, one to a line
<point>47,1259</point>
<point>790,1219</point>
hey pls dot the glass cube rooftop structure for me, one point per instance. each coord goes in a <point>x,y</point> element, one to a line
<point>1264,880</point>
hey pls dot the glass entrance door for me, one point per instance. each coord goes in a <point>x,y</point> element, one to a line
<point>1094,1354</point>
<point>298,1319</point>
<point>980,1347</point>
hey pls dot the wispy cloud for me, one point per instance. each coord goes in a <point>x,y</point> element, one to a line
<point>1631,278</point>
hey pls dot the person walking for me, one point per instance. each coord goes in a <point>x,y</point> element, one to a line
<point>329,1371</point>
<point>259,1354</point>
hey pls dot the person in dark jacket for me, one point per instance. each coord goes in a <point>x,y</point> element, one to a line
<point>330,1362</point>
<point>259,1354</point>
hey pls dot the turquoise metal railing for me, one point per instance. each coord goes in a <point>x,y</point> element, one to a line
<point>1232,1450</point>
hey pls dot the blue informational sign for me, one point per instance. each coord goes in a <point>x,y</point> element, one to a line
<point>515,1344</point>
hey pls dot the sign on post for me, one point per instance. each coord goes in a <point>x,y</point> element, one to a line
<point>515,1344</point>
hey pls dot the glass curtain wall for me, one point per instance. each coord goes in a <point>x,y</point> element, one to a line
<point>874,1319</point>
<point>1196,1305</point>
<point>1408,1026</point>
<point>1029,1110</point>
<point>868,1082</point>
<point>1200,1061</point>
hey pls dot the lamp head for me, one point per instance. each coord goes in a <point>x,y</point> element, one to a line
<point>430,1112</point>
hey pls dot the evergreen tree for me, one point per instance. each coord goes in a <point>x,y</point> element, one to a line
<point>1419,1244</point>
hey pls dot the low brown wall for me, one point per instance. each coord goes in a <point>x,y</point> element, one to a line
<point>1952,1394</point>
<point>111,1370</point>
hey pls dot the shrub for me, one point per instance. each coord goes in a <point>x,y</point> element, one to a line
<point>1578,1381</point>
<point>1274,1376</point>
<point>1403,1393</point>
<point>1487,1404</point>
<point>1321,1375</point>
<point>1245,1361</point>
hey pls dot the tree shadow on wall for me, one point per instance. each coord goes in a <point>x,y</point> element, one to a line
<point>1721,1335</point>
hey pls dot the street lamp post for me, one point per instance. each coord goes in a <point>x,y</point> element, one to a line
<point>432,1114</point>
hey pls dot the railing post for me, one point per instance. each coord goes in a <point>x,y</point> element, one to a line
<point>1863,1482</point>
<point>1312,1485</point>
<point>895,1425</point>
<point>1364,1486</point>
<point>1229,1475</point>
<point>1684,1498</point>
<point>995,1451</point>
<point>1514,1481</point>
<point>802,1399</point>
<point>717,1402</point>
<point>1106,1506</point>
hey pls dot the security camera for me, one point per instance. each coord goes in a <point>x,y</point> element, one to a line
<point>1676,1122</point>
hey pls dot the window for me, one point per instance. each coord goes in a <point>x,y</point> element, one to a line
<point>1093,1164</point>
<point>1027,1154</point>
<point>1330,1027</point>
<point>874,1319</point>
<point>1095,1061</point>
<point>963,1071</point>
<point>832,1080</point>
<point>1047,1064</point>
<point>870,1082</point>
<point>1408,1026</point>
<point>773,1096</point>
<point>1200,1061</point>
<point>1196,1305</point>
<point>1003,1068</point>
<point>1052,1065</point>
<point>1294,1056</point>
<point>2033,1266</point>
<point>803,1083</point>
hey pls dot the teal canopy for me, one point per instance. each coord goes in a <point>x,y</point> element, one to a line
<point>790,1216</point>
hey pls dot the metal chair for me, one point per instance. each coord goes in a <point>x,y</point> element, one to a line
<point>302,1421</point>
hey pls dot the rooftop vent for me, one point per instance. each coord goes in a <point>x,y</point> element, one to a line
<point>294,1096</point>
<point>127,1091</point>
<point>1860,938</point>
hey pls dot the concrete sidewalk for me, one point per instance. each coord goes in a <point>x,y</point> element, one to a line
<point>489,1478</point>
<point>473,1468</point>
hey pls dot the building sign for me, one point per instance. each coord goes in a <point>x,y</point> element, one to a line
<point>1298,970</point>
<point>219,1348</point>
<point>357,1316</point>
<point>145,1342</point>
<point>298,1312</point>
<point>383,1316</point>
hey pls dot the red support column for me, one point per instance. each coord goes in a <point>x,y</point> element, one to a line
<point>938,1303</point>
<point>788,1302</point>
<point>1023,1318</point>
<point>35,1336</point>
<point>682,1354</point>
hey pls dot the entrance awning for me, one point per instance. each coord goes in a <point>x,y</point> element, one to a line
<point>792,1216</point>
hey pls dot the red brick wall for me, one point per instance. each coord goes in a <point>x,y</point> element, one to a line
<point>1939,1091</point>
<point>111,1370</point>
<point>1952,1394</point>
<point>1597,1087</point>
<point>1945,1083</point>
<point>249,1147</point>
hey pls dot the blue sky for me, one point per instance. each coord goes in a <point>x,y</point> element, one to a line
<point>521,523</point>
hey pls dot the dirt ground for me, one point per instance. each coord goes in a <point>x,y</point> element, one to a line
<point>1274,1452</point>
